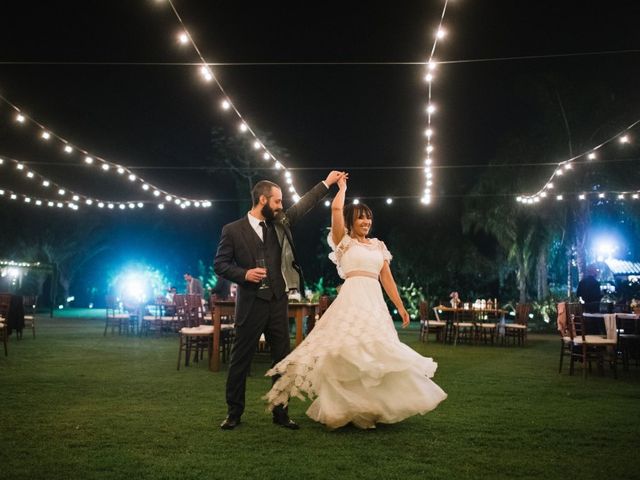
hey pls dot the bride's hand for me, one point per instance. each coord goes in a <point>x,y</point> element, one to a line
<point>342,182</point>
<point>405,317</point>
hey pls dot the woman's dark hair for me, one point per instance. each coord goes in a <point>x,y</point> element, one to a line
<point>354,211</point>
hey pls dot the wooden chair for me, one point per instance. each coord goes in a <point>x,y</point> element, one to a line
<point>628,336</point>
<point>487,326</point>
<point>115,317</point>
<point>426,325</point>
<point>464,326</point>
<point>195,340</point>
<point>197,337</point>
<point>29,302</point>
<point>518,329</point>
<point>4,334</point>
<point>5,301</point>
<point>562,322</point>
<point>587,348</point>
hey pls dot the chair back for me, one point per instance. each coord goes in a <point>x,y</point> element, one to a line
<point>195,311</point>
<point>111,304</point>
<point>522,313</point>
<point>5,303</point>
<point>574,320</point>
<point>423,307</point>
<point>29,302</point>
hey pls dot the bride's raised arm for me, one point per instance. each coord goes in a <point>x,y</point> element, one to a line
<point>337,207</point>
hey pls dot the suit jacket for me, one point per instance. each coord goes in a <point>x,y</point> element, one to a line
<point>237,251</point>
<point>195,287</point>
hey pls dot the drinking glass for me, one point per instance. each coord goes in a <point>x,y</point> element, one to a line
<point>261,263</point>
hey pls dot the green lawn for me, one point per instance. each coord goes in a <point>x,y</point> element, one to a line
<point>76,404</point>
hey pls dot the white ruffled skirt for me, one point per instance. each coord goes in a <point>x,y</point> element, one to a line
<point>354,367</point>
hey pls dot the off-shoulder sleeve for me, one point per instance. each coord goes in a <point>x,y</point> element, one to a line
<point>386,254</point>
<point>338,250</point>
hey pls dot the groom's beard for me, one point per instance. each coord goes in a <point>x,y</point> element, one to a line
<point>268,213</point>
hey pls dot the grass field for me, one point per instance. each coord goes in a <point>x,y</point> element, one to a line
<point>76,404</point>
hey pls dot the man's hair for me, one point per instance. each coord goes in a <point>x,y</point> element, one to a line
<point>263,187</point>
<point>354,211</point>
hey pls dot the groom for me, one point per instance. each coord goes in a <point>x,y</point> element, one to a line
<point>261,305</point>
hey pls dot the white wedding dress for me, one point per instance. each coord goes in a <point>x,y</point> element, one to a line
<point>352,364</point>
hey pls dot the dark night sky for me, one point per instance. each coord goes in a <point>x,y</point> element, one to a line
<point>326,117</point>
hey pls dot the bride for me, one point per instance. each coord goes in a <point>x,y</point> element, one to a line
<point>352,364</point>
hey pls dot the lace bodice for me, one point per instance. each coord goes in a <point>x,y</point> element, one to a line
<point>350,255</point>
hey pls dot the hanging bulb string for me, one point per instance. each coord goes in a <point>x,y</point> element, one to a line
<point>90,158</point>
<point>227,104</point>
<point>590,154</point>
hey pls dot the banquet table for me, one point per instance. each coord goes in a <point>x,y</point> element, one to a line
<point>454,315</point>
<point>610,320</point>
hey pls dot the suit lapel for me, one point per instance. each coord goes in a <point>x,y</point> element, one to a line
<point>250,237</point>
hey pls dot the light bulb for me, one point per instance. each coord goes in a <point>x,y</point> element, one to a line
<point>226,105</point>
<point>46,135</point>
<point>105,166</point>
<point>243,127</point>
<point>20,118</point>
<point>132,177</point>
<point>389,201</point>
<point>161,206</point>
<point>88,160</point>
<point>68,149</point>
<point>183,38</point>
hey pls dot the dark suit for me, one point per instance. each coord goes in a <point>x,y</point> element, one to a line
<point>238,251</point>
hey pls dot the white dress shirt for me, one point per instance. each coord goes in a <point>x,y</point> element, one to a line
<point>255,224</point>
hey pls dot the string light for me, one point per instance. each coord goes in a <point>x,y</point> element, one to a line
<point>75,197</point>
<point>567,165</point>
<point>226,103</point>
<point>88,158</point>
<point>431,64</point>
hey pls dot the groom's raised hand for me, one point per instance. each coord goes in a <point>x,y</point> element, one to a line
<point>334,176</point>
